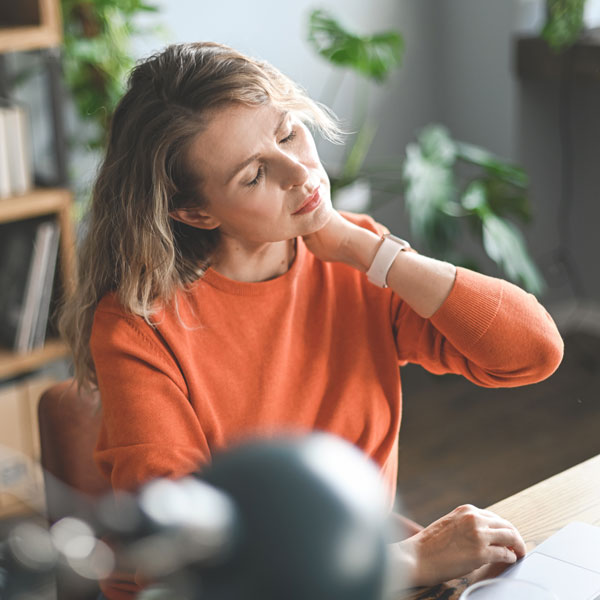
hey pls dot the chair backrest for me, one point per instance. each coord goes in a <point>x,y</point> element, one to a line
<point>69,422</point>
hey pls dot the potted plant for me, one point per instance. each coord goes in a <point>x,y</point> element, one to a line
<point>564,23</point>
<point>450,186</point>
<point>447,185</point>
<point>97,58</point>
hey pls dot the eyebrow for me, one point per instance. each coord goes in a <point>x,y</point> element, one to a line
<point>252,158</point>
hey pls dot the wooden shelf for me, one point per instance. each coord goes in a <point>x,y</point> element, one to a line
<point>12,364</point>
<point>29,25</point>
<point>16,39</point>
<point>41,201</point>
<point>47,201</point>
<point>534,59</point>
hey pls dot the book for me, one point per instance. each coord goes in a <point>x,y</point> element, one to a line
<point>34,287</point>
<point>5,190</point>
<point>50,257</point>
<point>32,291</point>
<point>28,255</point>
<point>17,136</point>
<point>16,251</point>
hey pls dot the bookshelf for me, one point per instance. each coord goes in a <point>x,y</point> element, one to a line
<point>35,25</point>
<point>29,25</point>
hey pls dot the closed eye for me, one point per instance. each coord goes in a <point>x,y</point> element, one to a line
<point>261,171</point>
<point>289,137</point>
<point>259,175</point>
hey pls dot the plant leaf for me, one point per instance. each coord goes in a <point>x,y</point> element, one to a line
<point>505,245</point>
<point>437,145</point>
<point>506,199</point>
<point>429,188</point>
<point>492,164</point>
<point>474,198</point>
<point>371,56</point>
<point>564,24</point>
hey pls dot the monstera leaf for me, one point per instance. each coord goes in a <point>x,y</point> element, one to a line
<point>373,56</point>
<point>505,245</point>
<point>435,203</point>
<point>430,187</point>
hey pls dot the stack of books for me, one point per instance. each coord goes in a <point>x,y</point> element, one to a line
<point>28,256</point>
<point>15,150</point>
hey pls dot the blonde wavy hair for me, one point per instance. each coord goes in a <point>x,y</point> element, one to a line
<point>132,247</point>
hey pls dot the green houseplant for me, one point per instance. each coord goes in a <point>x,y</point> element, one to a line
<point>97,58</point>
<point>447,185</point>
<point>564,23</point>
<point>451,185</point>
<point>373,58</point>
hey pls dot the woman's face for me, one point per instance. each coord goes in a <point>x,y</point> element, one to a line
<point>262,180</point>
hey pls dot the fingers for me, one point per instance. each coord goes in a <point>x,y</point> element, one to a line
<point>504,545</point>
<point>512,539</point>
<point>500,554</point>
<point>464,540</point>
<point>505,533</point>
<point>492,530</point>
<point>502,537</point>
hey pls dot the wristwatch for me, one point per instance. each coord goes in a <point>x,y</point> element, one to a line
<point>386,253</point>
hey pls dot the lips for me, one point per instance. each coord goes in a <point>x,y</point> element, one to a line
<point>310,203</point>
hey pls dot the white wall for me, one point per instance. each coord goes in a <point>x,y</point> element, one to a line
<point>476,95</point>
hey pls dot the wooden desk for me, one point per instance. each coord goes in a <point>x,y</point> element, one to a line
<point>537,512</point>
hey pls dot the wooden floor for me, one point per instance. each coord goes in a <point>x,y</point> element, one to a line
<point>463,444</point>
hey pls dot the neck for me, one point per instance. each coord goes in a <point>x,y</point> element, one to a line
<point>253,263</point>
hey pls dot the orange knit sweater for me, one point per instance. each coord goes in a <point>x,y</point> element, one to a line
<point>315,349</point>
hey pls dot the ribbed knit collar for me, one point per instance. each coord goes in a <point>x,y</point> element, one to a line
<point>261,288</point>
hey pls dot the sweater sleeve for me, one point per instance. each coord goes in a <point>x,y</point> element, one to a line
<point>488,330</point>
<point>149,428</point>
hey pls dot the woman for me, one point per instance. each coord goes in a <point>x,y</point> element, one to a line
<point>221,296</point>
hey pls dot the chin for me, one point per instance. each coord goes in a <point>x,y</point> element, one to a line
<point>320,218</point>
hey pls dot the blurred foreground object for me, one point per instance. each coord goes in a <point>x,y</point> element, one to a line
<point>301,519</point>
<point>311,515</point>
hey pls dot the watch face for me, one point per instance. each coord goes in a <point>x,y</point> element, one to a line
<point>403,243</point>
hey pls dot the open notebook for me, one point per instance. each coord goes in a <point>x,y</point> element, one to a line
<point>567,563</point>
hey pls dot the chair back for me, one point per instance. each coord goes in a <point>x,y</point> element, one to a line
<point>69,422</point>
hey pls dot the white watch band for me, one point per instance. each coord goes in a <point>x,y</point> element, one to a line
<point>386,254</point>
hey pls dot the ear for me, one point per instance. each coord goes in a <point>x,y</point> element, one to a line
<point>194,217</point>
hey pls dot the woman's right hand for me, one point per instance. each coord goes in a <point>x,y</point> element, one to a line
<point>457,544</point>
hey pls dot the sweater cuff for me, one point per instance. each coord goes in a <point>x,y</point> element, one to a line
<point>470,308</point>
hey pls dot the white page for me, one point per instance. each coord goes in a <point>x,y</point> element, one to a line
<point>5,189</point>
<point>566,580</point>
<point>567,563</point>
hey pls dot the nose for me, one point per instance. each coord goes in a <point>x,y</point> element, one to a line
<point>293,172</point>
